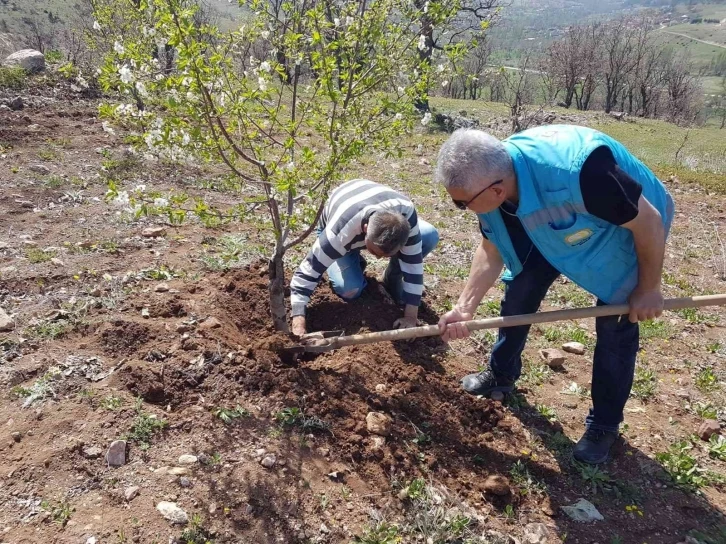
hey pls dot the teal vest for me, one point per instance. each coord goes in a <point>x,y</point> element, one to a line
<point>599,256</point>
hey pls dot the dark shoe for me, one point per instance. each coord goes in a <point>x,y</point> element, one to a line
<point>594,446</point>
<point>485,383</point>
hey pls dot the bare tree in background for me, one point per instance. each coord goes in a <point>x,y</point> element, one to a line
<point>521,89</point>
<point>472,18</point>
<point>470,78</point>
<point>619,42</point>
<point>683,89</point>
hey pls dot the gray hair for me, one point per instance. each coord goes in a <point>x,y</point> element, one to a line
<point>388,231</point>
<point>470,155</point>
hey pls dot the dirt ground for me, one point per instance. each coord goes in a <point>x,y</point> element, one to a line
<point>159,340</point>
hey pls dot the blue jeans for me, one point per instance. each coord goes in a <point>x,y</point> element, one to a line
<point>615,351</point>
<point>346,274</point>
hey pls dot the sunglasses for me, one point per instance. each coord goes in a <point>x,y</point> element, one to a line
<point>464,204</point>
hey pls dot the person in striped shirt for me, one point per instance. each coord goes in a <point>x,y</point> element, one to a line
<point>362,214</point>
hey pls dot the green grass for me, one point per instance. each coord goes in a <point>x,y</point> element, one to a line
<point>546,412</point>
<point>717,447</point>
<point>380,533</point>
<point>111,403</point>
<point>12,77</point>
<point>60,512</point>
<point>683,467</point>
<point>36,255</point>
<point>294,417</point>
<point>525,482</point>
<point>644,384</point>
<point>228,416</point>
<point>145,427</point>
<point>535,374</point>
<point>705,410</point>
<point>654,328</point>
<point>706,380</point>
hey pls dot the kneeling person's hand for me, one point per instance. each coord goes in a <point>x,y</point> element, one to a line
<point>405,323</point>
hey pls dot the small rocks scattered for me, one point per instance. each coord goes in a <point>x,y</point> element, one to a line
<point>536,533</point>
<point>130,493</point>
<point>583,511</point>
<point>574,347</point>
<point>6,322</point>
<point>153,232</point>
<point>378,423</point>
<point>92,452</point>
<point>171,512</point>
<point>554,358</point>
<point>161,288</point>
<point>268,461</point>
<point>683,394</point>
<point>496,484</point>
<point>56,261</point>
<point>188,459</point>
<point>709,428</point>
<point>380,388</point>
<point>16,436</point>
<point>185,482</point>
<point>178,471</point>
<point>116,455</point>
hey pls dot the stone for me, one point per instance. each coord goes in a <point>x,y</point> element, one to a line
<point>41,169</point>
<point>535,533</point>
<point>91,540</point>
<point>56,261</point>
<point>130,493</point>
<point>582,511</point>
<point>6,322</point>
<point>28,59</point>
<point>116,454</point>
<point>496,484</point>
<point>709,428</point>
<point>153,232</point>
<point>16,436</point>
<point>554,358</point>
<point>188,459</point>
<point>16,104</point>
<point>178,471</point>
<point>161,288</point>
<point>683,394</point>
<point>210,323</point>
<point>92,452</point>
<point>497,395</point>
<point>268,461</point>
<point>378,442</point>
<point>378,423</point>
<point>548,508</point>
<point>172,513</point>
<point>380,388</point>
<point>574,347</point>
<point>185,482</point>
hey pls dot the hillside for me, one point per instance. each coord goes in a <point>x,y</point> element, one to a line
<point>133,329</point>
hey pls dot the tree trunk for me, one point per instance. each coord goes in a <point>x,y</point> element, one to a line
<point>276,272</point>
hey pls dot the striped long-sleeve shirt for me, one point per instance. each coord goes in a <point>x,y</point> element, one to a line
<point>341,223</point>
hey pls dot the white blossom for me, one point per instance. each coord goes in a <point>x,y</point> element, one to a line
<point>445,83</point>
<point>421,42</point>
<point>161,202</point>
<point>426,7</point>
<point>290,166</point>
<point>126,76</point>
<point>141,89</point>
<point>440,68</point>
<point>349,21</point>
<point>118,48</point>
<point>398,116</point>
<point>96,26</point>
<point>336,21</point>
<point>265,67</point>
<point>262,82</point>
<point>426,118</point>
<point>401,90</point>
<point>265,34</point>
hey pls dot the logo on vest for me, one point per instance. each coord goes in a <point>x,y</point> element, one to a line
<point>579,237</point>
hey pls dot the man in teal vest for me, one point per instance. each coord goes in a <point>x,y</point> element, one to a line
<point>554,200</point>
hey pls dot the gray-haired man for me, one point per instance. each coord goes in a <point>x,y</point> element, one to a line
<point>363,214</point>
<point>554,200</point>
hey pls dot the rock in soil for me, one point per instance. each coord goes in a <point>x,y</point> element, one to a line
<point>535,533</point>
<point>583,511</point>
<point>16,103</point>
<point>28,59</point>
<point>161,288</point>
<point>153,232</point>
<point>378,423</point>
<point>39,169</point>
<point>553,357</point>
<point>16,436</point>
<point>178,471</point>
<point>130,493</point>
<point>116,455</point>
<point>185,482</point>
<point>497,395</point>
<point>709,428</point>
<point>548,508</point>
<point>188,459</point>
<point>496,484</point>
<point>172,513</point>
<point>210,323</point>
<point>92,452</point>
<point>268,461</point>
<point>574,347</point>
<point>6,322</point>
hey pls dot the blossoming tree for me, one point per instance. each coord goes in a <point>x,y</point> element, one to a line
<point>297,92</point>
